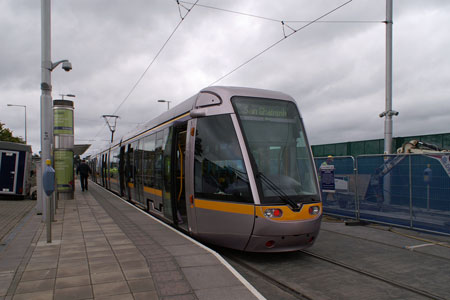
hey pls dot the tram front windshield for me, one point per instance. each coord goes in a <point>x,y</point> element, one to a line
<point>278,149</point>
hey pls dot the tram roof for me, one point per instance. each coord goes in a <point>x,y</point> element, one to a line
<point>225,93</point>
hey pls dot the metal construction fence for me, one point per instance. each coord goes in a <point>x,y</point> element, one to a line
<point>410,190</point>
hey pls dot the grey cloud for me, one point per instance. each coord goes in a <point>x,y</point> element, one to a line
<point>334,70</point>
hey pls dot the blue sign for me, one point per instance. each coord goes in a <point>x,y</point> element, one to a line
<point>327,178</point>
<point>427,175</point>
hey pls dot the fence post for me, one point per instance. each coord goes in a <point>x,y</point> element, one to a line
<point>355,173</point>
<point>410,194</point>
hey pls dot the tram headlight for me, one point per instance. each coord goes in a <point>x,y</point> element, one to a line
<point>273,213</point>
<point>314,210</point>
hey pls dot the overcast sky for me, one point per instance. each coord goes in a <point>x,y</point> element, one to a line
<point>335,70</point>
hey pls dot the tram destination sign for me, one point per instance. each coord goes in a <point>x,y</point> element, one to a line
<point>263,110</point>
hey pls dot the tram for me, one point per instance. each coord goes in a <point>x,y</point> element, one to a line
<point>230,166</point>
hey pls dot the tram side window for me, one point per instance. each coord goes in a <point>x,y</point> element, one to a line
<point>167,158</point>
<point>129,164</point>
<point>134,160</point>
<point>159,160</point>
<point>148,147</point>
<point>98,167</point>
<point>219,167</point>
<point>137,161</point>
<point>114,163</point>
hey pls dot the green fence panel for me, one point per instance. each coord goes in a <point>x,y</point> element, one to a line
<point>357,148</point>
<point>341,149</point>
<point>432,139</point>
<point>377,146</point>
<point>372,147</point>
<point>446,141</point>
<point>329,149</point>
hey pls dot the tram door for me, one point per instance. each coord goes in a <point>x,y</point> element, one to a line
<point>8,171</point>
<point>137,174</point>
<point>104,170</point>
<point>122,171</point>
<point>178,176</point>
<point>128,172</point>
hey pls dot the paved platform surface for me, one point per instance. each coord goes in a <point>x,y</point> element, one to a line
<point>103,248</point>
<point>11,213</point>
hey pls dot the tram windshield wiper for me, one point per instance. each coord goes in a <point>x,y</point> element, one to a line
<point>241,174</point>
<point>282,195</point>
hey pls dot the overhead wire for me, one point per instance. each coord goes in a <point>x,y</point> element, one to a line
<point>154,58</point>
<point>279,41</point>
<point>308,23</point>
<point>278,20</point>
<point>233,11</point>
<point>95,120</point>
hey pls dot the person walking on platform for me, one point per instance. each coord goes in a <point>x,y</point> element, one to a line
<point>84,170</point>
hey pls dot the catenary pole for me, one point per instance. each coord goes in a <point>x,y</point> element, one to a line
<point>388,113</point>
<point>26,141</point>
<point>46,104</point>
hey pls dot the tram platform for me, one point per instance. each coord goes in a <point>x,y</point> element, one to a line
<point>105,248</point>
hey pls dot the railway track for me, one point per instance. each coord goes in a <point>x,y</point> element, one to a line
<point>375,276</point>
<point>273,282</point>
<point>274,287</point>
<point>426,241</point>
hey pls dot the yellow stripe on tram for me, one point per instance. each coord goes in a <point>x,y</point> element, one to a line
<point>245,209</point>
<point>152,191</point>
<point>147,189</point>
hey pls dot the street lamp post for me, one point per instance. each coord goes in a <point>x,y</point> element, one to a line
<point>47,66</point>
<point>67,95</point>
<point>24,106</point>
<point>168,102</point>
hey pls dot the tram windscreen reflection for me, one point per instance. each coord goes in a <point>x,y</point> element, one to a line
<point>219,168</point>
<point>278,148</point>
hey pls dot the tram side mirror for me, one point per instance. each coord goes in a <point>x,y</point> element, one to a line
<point>198,113</point>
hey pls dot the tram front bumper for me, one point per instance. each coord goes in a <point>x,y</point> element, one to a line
<point>271,235</point>
<point>281,243</point>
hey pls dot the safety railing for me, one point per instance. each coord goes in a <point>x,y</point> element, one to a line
<point>410,190</point>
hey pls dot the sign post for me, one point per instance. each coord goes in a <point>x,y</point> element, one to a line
<point>427,176</point>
